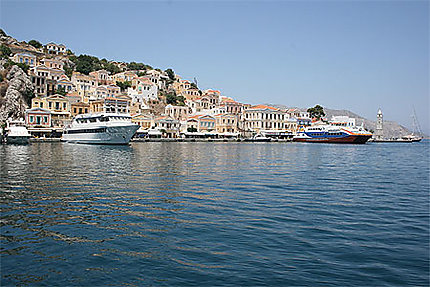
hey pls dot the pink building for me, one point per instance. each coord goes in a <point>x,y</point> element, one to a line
<point>38,118</point>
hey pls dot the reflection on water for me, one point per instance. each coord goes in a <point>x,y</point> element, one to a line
<point>214,214</point>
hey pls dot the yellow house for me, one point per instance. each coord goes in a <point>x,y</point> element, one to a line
<point>79,108</point>
<point>226,123</point>
<point>144,121</point>
<point>58,105</point>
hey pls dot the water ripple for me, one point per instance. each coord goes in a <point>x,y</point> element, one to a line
<point>184,214</point>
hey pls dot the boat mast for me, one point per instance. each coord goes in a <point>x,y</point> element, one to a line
<point>415,124</point>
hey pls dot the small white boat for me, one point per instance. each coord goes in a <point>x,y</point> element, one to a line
<point>106,128</point>
<point>17,133</point>
<point>258,138</point>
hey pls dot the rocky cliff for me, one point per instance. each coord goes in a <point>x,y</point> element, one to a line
<point>16,92</point>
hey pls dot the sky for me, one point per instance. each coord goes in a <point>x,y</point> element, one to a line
<point>355,55</point>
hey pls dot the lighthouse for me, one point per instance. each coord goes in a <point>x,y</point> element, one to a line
<point>379,132</point>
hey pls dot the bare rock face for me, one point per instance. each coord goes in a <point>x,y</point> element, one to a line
<point>14,103</point>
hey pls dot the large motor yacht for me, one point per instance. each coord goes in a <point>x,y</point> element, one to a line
<point>107,128</point>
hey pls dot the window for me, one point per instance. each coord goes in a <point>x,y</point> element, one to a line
<point>31,119</point>
<point>45,119</point>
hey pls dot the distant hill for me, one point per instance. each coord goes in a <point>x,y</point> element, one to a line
<point>391,129</point>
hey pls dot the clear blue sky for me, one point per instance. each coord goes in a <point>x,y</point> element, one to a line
<point>357,55</point>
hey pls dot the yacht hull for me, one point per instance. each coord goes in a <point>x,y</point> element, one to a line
<point>111,135</point>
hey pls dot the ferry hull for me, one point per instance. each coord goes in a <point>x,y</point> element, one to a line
<point>114,135</point>
<point>352,139</point>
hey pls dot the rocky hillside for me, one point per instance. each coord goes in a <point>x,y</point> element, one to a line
<point>16,91</point>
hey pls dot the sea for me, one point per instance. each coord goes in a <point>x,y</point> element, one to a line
<point>215,214</point>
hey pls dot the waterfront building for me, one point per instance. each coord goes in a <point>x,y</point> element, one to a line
<point>58,105</point>
<point>25,58</point>
<point>167,126</point>
<point>202,123</point>
<point>37,118</point>
<point>263,119</point>
<point>291,125</point>
<point>379,132</point>
<point>145,121</point>
<point>53,48</point>
<point>226,124</point>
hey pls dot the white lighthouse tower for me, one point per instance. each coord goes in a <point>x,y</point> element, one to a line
<point>379,132</point>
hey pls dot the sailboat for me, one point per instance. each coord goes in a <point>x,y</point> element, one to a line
<point>416,134</point>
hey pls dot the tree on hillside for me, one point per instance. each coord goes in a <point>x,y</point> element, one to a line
<point>171,74</point>
<point>112,68</point>
<point>180,100</point>
<point>316,112</point>
<point>86,63</point>
<point>35,44</point>
<point>4,52</point>
<point>84,67</point>
<point>68,70</point>
<point>194,85</point>
<point>123,85</point>
<point>171,98</point>
<point>138,66</point>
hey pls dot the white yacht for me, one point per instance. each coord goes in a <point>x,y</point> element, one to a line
<point>17,133</point>
<point>106,128</point>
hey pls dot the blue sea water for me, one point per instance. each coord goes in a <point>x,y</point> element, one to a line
<point>215,214</point>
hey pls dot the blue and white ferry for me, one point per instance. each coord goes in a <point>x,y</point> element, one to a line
<point>339,130</point>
